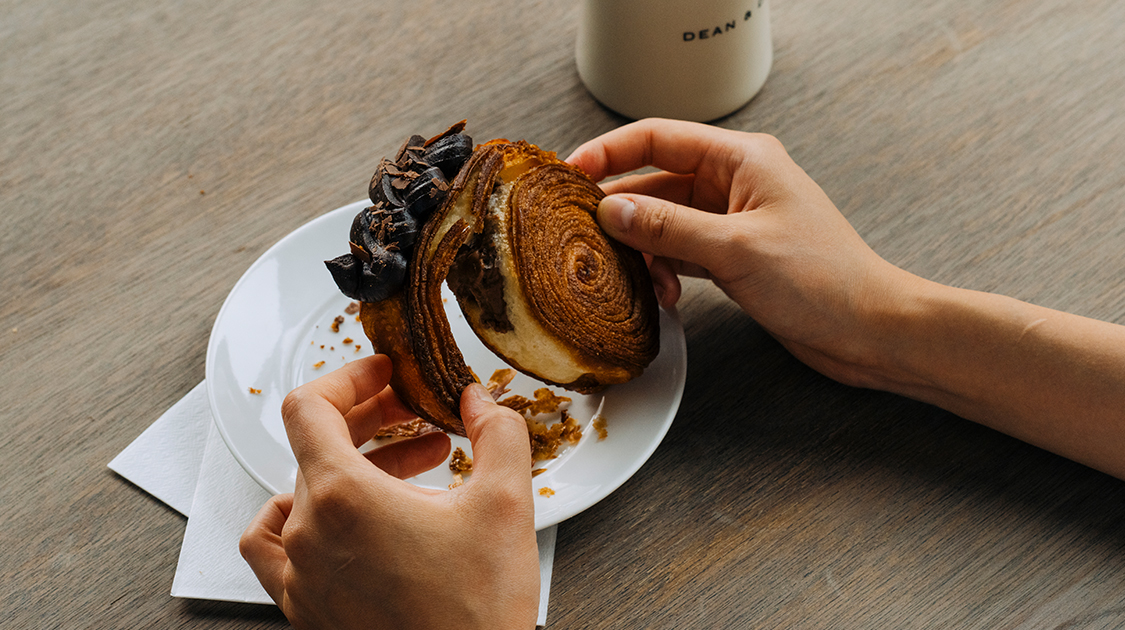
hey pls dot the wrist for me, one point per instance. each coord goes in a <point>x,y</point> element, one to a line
<point>948,346</point>
<point>906,330</point>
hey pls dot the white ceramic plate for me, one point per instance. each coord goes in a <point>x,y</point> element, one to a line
<point>274,332</point>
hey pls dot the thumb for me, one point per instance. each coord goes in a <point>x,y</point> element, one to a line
<point>661,228</point>
<point>501,450</point>
<point>261,546</point>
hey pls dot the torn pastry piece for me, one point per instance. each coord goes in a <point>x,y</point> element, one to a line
<point>542,286</point>
<point>515,237</point>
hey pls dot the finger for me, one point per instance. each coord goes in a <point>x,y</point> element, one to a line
<point>665,282</point>
<point>671,145</point>
<point>261,546</point>
<point>383,410</point>
<point>685,190</point>
<point>314,412</point>
<point>671,186</point>
<point>664,229</point>
<point>501,451</point>
<point>681,268</point>
<point>411,457</point>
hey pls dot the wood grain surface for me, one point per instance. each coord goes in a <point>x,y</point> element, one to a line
<point>151,151</point>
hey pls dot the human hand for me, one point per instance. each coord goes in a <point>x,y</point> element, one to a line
<point>356,547</point>
<point>735,208</point>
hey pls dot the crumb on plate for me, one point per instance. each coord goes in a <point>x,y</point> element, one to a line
<point>460,462</point>
<point>599,426</point>
<point>458,481</point>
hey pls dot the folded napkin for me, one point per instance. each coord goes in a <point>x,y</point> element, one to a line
<point>182,460</point>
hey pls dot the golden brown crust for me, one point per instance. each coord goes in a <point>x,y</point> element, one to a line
<point>385,325</point>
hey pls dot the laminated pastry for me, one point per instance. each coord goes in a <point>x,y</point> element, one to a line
<point>512,230</point>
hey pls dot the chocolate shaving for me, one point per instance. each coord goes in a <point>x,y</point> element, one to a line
<point>359,252</point>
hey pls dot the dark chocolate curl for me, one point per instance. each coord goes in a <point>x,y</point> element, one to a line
<point>403,230</point>
<point>449,154</point>
<point>404,193</point>
<point>421,197</point>
<point>346,272</point>
<point>382,277</point>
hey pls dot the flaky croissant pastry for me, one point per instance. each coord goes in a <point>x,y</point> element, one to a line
<point>515,237</point>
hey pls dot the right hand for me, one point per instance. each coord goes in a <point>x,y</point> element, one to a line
<point>735,208</point>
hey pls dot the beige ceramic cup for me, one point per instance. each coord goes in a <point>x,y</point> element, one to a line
<point>688,59</point>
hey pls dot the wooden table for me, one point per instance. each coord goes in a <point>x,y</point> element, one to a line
<point>151,151</point>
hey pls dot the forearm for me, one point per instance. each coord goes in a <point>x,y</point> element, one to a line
<point>1049,378</point>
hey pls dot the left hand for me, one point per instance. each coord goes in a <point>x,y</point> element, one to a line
<point>357,547</point>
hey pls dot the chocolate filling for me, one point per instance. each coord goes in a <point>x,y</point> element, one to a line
<point>476,277</point>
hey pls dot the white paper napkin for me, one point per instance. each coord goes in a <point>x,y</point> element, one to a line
<point>182,460</point>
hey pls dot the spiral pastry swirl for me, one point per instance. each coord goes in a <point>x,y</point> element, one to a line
<point>537,280</point>
<point>578,281</point>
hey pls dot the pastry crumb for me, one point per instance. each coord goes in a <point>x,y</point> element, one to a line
<point>516,402</point>
<point>537,472</point>
<point>318,365</point>
<point>546,401</point>
<point>413,428</point>
<point>339,319</point>
<point>546,441</point>
<point>352,308</point>
<point>458,481</point>
<point>599,426</point>
<point>460,462</point>
<point>254,390</point>
<point>546,492</point>
<point>499,381</point>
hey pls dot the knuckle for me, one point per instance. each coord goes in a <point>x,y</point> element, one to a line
<point>656,221</point>
<point>326,509</point>
<point>327,494</point>
<point>762,149</point>
<point>733,242</point>
<point>293,402</point>
<point>508,501</point>
<point>298,542</point>
<point>768,141</point>
<point>248,545</point>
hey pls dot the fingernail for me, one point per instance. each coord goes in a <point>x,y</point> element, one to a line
<point>480,392</point>
<point>617,212</point>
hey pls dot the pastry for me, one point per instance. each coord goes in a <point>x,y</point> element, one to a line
<point>511,228</point>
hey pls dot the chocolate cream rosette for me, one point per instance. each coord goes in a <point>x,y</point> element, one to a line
<point>512,230</point>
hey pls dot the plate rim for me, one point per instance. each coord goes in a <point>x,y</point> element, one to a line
<point>680,368</point>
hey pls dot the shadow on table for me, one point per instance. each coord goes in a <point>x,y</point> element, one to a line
<point>231,610</point>
<point>779,495</point>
